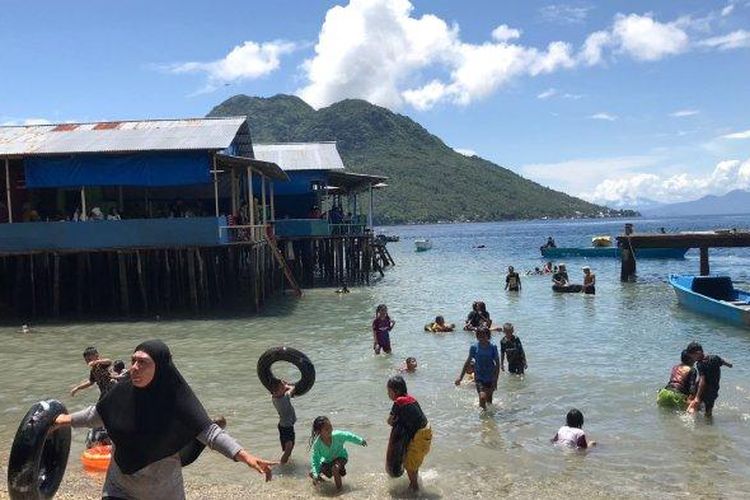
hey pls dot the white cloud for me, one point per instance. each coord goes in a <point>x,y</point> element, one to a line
<point>372,49</point>
<point>593,48</point>
<point>727,10</point>
<point>380,51</point>
<point>564,14</point>
<point>547,94</point>
<point>579,175</point>
<point>369,49</point>
<point>27,121</point>
<point>681,113</point>
<point>737,135</point>
<point>603,116</point>
<point>734,40</point>
<point>726,176</point>
<point>645,39</point>
<point>248,61</point>
<point>465,152</point>
<point>639,36</point>
<point>503,33</point>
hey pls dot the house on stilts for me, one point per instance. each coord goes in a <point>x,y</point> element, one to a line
<point>149,217</point>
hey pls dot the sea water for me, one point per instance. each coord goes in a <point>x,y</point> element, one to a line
<point>607,355</point>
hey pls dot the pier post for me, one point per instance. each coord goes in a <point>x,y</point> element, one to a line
<point>627,268</point>
<point>704,261</point>
<point>8,191</point>
<point>123,276</point>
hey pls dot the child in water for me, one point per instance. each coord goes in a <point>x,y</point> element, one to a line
<point>118,370</point>
<point>512,280</point>
<point>709,375</point>
<point>510,347</point>
<point>572,435</point>
<point>407,415</point>
<point>381,330</point>
<point>99,373</point>
<point>439,326</point>
<point>328,455</point>
<point>486,366</point>
<point>281,397</point>
<point>679,391</point>
<point>409,366</point>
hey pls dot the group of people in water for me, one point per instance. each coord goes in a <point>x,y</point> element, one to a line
<point>150,414</point>
<point>693,381</point>
<point>560,279</point>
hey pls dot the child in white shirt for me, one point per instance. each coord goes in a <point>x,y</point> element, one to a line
<point>572,435</point>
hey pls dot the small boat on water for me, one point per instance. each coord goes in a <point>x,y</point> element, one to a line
<point>713,296</point>
<point>601,241</point>
<point>612,252</point>
<point>422,244</point>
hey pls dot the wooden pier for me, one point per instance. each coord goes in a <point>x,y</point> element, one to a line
<point>703,240</point>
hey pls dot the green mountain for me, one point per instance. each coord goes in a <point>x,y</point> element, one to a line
<point>427,180</point>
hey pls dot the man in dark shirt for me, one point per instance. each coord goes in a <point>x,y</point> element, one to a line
<point>510,347</point>
<point>709,376</point>
<point>560,278</point>
<point>99,374</point>
<point>512,280</point>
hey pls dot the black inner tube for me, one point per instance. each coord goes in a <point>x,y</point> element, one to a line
<point>567,288</point>
<point>290,355</point>
<point>394,456</point>
<point>39,455</point>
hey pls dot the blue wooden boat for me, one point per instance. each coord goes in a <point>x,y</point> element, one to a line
<point>713,296</point>
<point>613,252</point>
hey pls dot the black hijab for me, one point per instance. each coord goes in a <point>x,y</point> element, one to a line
<point>154,422</point>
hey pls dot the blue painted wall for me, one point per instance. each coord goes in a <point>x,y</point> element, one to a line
<point>24,237</point>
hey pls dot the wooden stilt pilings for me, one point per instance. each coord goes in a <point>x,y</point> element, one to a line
<point>137,282</point>
<point>333,260</point>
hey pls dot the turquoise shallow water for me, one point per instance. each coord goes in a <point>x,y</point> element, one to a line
<point>607,355</point>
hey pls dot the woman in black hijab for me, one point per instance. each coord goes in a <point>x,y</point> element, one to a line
<point>150,417</point>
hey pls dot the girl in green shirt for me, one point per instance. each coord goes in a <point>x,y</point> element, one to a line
<point>328,456</point>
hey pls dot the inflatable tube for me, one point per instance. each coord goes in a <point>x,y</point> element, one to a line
<point>394,456</point>
<point>39,455</point>
<point>567,288</point>
<point>293,356</point>
<point>96,458</point>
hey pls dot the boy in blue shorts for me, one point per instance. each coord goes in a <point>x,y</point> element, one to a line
<point>486,366</point>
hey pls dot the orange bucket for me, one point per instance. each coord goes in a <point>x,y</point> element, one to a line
<point>96,459</point>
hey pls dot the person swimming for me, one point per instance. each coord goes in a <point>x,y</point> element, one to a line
<point>439,326</point>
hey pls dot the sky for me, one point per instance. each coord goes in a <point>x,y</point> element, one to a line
<point>618,102</point>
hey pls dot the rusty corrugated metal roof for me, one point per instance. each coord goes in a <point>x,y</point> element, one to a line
<point>126,136</point>
<point>301,155</point>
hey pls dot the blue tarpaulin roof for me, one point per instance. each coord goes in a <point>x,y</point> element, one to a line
<point>136,169</point>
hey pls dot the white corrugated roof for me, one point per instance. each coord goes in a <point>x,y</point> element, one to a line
<point>301,155</point>
<point>125,136</point>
